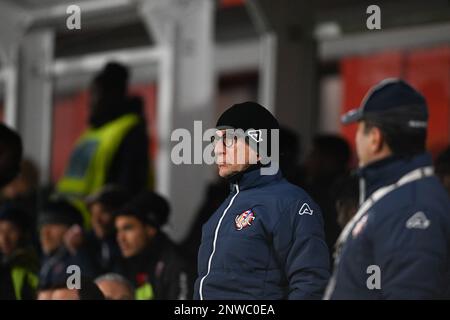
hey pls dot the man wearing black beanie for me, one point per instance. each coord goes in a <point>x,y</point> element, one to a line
<point>151,261</point>
<point>266,240</point>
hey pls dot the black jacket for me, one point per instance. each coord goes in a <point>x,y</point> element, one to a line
<point>161,266</point>
<point>130,165</point>
<point>103,254</point>
<point>54,267</point>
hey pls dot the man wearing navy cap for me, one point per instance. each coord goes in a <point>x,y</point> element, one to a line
<point>397,245</point>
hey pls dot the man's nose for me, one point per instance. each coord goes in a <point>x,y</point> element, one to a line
<point>219,148</point>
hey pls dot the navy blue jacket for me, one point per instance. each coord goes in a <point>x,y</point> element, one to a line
<point>406,234</point>
<point>266,241</point>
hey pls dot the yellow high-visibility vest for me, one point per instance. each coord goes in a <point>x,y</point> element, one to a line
<point>21,276</point>
<point>94,152</point>
<point>144,292</point>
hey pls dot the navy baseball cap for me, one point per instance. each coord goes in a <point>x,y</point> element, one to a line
<point>391,101</point>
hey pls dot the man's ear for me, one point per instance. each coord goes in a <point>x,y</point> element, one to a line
<point>151,231</point>
<point>376,139</point>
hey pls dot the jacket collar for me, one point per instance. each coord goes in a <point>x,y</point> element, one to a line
<point>387,171</point>
<point>252,178</point>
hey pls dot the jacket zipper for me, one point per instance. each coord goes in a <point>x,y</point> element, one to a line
<point>215,240</point>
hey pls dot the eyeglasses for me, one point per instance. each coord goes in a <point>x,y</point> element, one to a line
<point>228,139</point>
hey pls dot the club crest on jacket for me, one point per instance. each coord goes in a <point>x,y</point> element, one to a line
<point>244,219</point>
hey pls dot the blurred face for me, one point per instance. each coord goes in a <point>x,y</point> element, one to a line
<point>232,153</point>
<point>115,290</point>
<point>369,145</point>
<point>362,144</point>
<point>15,188</point>
<point>9,237</point>
<point>51,236</point>
<point>102,221</point>
<point>65,294</point>
<point>132,235</point>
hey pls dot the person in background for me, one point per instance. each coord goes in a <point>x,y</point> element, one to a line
<point>58,222</point>
<point>114,149</point>
<point>152,262</point>
<point>24,191</point>
<point>290,154</point>
<point>88,290</point>
<point>115,287</point>
<point>327,162</point>
<point>99,245</point>
<point>397,245</point>
<point>10,154</point>
<point>19,263</point>
<point>442,166</point>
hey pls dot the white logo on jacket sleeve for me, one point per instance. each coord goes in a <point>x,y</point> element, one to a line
<point>418,221</point>
<point>305,209</point>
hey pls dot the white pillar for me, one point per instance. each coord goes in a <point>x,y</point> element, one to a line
<point>34,117</point>
<point>184,30</point>
<point>288,63</point>
<point>13,23</point>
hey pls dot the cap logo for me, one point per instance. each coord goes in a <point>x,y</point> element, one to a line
<point>418,221</point>
<point>417,124</point>
<point>255,135</point>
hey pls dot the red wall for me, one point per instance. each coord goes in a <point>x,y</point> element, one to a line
<point>69,121</point>
<point>428,70</point>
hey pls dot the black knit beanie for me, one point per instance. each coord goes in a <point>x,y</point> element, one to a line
<point>251,117</point>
